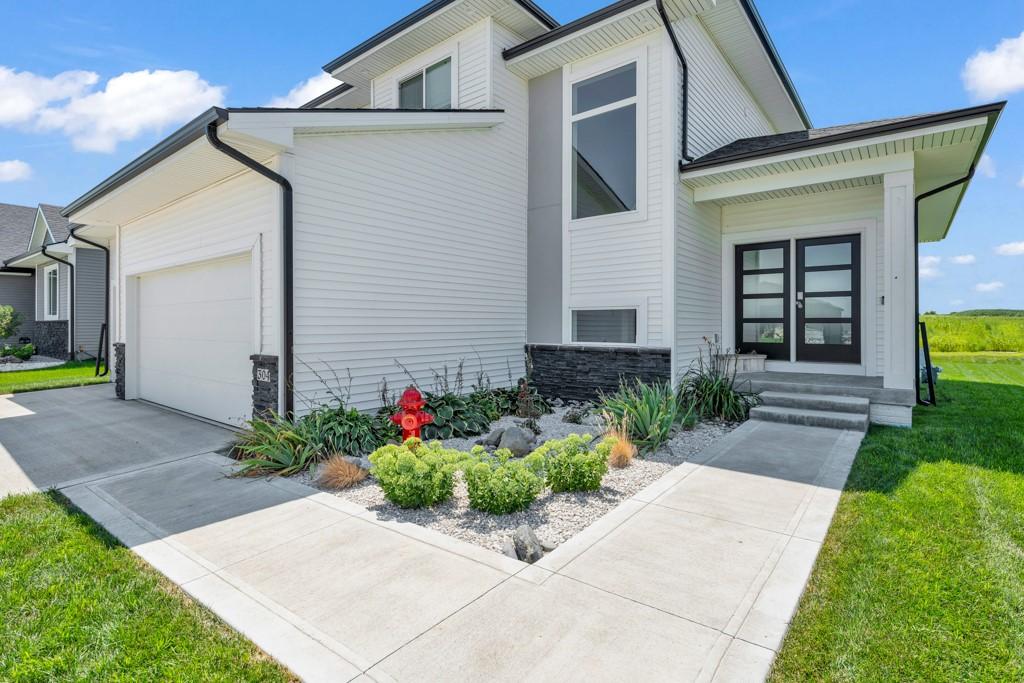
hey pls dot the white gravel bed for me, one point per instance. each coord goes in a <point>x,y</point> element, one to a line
<point>554,517</point>
<point>33,363</point>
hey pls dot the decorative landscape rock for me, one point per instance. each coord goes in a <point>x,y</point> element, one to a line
<point>359,462</point>
<point>528,548</point>
<point>517,440</point>
<point>492,439</point>
<point>11,359</point>
<point>509,548</point>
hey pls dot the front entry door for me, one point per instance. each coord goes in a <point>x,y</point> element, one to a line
<point>828,299</point>
<point>762,299</point>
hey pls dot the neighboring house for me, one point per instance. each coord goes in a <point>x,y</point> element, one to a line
<point>17,285</point>
<point>59,283</point>
<point>486,180</point>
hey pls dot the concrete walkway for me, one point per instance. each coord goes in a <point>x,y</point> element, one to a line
<point>695,578</point>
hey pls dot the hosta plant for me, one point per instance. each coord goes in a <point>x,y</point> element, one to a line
<point>454,417</point>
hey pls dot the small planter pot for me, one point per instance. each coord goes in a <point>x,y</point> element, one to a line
<point>742,363</point>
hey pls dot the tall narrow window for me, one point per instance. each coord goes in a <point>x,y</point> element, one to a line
<point>50,295</point>
<point>604,143</point>
<point>431,88</point>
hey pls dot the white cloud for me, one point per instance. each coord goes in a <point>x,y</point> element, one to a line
<point>988,286</point>
<point>1011,249</point>
<point>964,259</point>
<point>97,120</point>
<point>23,94</point>
<point>13,170</point>
<point>928,266</point>
<point>990,74</point>
<point>987,166</point>
<point>131,104</point>
<point>306,91</point>
<point>1020,183</point>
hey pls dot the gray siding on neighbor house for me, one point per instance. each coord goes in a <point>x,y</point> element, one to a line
<point>544,217</point>
<point>90,268</point>
<point>19,291</point>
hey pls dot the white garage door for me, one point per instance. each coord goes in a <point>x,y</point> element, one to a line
<point>195,339</point>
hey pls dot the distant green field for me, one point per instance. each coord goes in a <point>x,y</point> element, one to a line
<point>963,333</point>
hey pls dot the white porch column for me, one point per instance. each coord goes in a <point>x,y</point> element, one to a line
<point>900,278</point>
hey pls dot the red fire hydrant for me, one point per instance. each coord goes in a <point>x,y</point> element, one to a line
<point>411,417</point>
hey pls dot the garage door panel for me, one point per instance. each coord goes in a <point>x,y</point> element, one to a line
<point>195,336</point>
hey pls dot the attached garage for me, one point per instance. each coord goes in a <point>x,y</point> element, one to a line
<point>195,337</point>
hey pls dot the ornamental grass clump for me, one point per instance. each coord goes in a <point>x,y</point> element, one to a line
<point>276,445</point>
<point>338,473</point>
<point>709,388</point>
<point>571,464</point>
<point>499,485</point>
<point>417,474</point>
<point>649,412</point>
<point>622,451</point>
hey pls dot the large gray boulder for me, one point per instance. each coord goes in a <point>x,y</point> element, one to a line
<point>528,548</point>
<point>517,440</point>
<point>492,439</point>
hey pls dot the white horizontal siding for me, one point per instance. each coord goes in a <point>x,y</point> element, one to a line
<point>411,247</point>
<point>229,217</point>
<point>821,209</point>
<point>698,278</point>
<point>622,261</point>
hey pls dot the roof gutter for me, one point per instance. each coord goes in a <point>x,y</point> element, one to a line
<point>287,248</point>
<point>71,299</point>
<point>102,351</point>
<point>686,76</point>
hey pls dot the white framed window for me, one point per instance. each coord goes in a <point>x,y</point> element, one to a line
<point>607,323</point>
<point>605,139</point>
<point>428,88</point>
<point>51,289</point>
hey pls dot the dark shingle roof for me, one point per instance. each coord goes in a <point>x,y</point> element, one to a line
<point>767,145</point>
<point>58,224</point>
<point>16,224</point>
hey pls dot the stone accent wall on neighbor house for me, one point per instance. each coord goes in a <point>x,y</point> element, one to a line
<point>50,338</point>
<point>579,373</point>
<point>264,385</point>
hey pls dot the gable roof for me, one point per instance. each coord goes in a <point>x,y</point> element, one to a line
<point>59,227</point>
<point>768,145</point>
<point>16,223</point>
<point>419,15</point>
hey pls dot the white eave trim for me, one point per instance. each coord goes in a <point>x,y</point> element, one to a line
<point>37,258</point>
<point>279,128</point>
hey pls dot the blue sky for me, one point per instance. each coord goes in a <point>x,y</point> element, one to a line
<point>851,60</point>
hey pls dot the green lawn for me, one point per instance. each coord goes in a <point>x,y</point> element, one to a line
<point>68,375</point>
<point>921,577</point>
<point>75,605</point>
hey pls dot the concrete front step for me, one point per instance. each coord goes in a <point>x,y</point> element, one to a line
<point>857,422</point>
<point>808,384</point>
<point>840,404</point>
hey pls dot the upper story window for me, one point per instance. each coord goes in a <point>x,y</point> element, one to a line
<point>50,280</point>
<point>604,143</point>
<point>431,88</point>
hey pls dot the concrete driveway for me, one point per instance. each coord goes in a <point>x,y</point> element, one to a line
<point>694,578</point>
<point>52,439</point>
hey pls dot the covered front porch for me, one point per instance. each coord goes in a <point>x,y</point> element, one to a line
<point>819,237</point>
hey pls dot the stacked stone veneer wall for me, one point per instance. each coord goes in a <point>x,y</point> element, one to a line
<point>119,370</point>
<point>580,373</point>
<point>50,337</point>
<point>264,385</point>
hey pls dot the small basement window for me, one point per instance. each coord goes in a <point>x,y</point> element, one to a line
<point>607,326</point>
<point>431,88</point>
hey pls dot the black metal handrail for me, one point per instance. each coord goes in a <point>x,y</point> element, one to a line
<point>929,371</point>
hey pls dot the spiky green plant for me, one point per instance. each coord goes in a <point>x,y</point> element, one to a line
<point>649,411</point>
<point>276,445</point>
<point>709,388</point>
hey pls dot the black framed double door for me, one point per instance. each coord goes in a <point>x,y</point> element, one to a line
<point>814,312</point>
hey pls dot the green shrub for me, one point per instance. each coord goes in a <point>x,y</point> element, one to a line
<point>502,486</point>
<point>349,432</point>
<point>10,321</point>
<point>276,445</point>
<point>709,388</point>
<point>416,474</point>
<point>454,417</point>
<point>649,412</point>
<point>570,464</point>
<point>24,352</point>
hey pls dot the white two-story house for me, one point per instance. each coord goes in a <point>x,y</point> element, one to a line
<point>605,194</point>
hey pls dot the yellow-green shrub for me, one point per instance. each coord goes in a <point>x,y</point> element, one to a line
<point>501,486</point>
<point>416,474</point>
<point>571,464</point>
